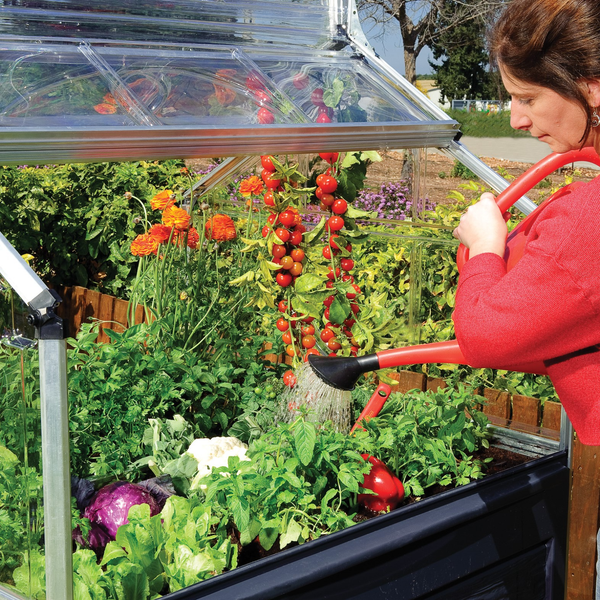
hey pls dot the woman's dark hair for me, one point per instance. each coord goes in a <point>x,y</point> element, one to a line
<point>550,43</point>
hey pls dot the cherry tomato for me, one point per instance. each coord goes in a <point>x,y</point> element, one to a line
<point>287,262</point>
<point>297,253</point>
<point>289,378</point>
<point>269,199</point>
<point>328,200</point>
<point>300,81</point>
<point>282,306</point>
<point>316,97</point>
<point>319,192</point>
<point>351,295</point>
<point>287,218</point>
<point>329,284</point>
<point>329,157</point>
<point>332,241</point>
<point>335,223</point>
<point>309,341</point>
<point>287,337</point>
<point>339,207</point>
<point>328,184</point>
<point>295,237</point>
<point>270,182</point>
<point>261,97</point>
<point>265,117</point>
<point>322,118</point>
<point>278,251</point>
<point>291,350</point>
<point>327,252</point>
<point>282,324</point>
<point>355,307</point>
<point>329,300</point>
<point>307,330</point>
<point>347,278</point>
<point>309,352</point>
<point>300,227</point>
<point>326,313</point>
<point>272,218</point>
<point>267,162</point>
<point>253,82</point>
<point>283,279</point>
<point>265,231</point>
<point>330,273</point>
<point>296,268</point>
<point>333,344</point>
<point>282,234</point>
<point>347,264</point>
<point>327,334</point>
<point>318,182</point>
<point>349,323</point>
<point>308,319</point>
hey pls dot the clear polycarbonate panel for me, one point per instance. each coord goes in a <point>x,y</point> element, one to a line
<point>307,23</point>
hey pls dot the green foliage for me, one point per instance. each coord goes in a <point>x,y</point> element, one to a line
<point>75,219</point>
<point>459,170</point>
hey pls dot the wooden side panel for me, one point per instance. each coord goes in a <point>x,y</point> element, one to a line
<point>408,380</point>
<point>551,415</point>
<point>526,410</point>
<point>497,403</point>
<point>584,521</point>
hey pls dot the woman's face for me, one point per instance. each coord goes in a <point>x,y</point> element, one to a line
<point>546,115</point>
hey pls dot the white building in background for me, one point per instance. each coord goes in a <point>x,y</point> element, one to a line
<point>428,87</point>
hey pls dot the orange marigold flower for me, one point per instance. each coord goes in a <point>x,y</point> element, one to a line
<point>193,237</point>
<point>173,216</point>
<point>143,245</point>
<point>220,228</point>
<point>162,200</point>
<point>297,216</point>
<point>104,108</point>
<point>161,233</point>
<point>109,99</point>
<point>251,186</point>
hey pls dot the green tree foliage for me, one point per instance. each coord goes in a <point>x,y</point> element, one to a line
<point>464,68</point>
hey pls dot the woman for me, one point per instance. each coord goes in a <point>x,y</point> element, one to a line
<point>547,308</point>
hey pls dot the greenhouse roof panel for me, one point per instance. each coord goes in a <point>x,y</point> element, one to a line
<point>199,76</point>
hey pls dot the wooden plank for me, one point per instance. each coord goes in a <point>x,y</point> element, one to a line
<point>526,410</point>
<point>497,403</point>
<point>551,412</point>
<point>407,380</point>
<point>436,383</point>
<point>584,521</point>
<point>105,311</point>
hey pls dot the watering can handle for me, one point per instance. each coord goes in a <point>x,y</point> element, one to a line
<point>520,186</point>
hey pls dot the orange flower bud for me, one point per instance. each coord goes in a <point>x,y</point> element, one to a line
<point>143,245</point>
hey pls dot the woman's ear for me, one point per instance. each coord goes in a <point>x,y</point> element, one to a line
<point>592,90</point>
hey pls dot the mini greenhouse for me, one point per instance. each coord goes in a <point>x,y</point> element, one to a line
<point>92,82</point>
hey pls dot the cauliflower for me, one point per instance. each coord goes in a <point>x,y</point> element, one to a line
<point>214,452</point>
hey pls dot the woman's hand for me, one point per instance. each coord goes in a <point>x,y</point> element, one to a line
<point>482,228</point>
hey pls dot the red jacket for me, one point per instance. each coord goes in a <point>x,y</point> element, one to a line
<point>546,308</point>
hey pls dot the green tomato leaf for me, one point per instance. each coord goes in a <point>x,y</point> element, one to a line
<point>339,310</point>
<point>308,283</point>
<point>305,436</point>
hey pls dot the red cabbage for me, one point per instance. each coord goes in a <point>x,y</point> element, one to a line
<point>110,506</point>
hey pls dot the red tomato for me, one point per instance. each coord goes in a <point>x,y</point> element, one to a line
<point>278,250</point>
<point>332,242</point>
<point>253,82</point>
<point>309,352</point>
<point>322,118</point>
<point>309,341</point>
<point>282,324</point>
<point>335,223</point>
<point>330,157</point>
<point>270,182</point>
<point>265,117</point>
<point>267,162</point>
<point>316,97</point>
<point>265,231</point>
<point>283,279</point>
<point>296,268</point>
<point>308,319</point>
<point>269,199</point>
<point>351,295</point>
<point>355,308</point>
<point>326,313</point>
<point>327,334</point>
<point>291,350</point>
<point>297,254</point>
<point>329,300</point>
<point>327,252</point>
<point>347,264</point>
<point>282,306</point>
<point>262,98</point>
<point>347,278</point>
<point>333,344</point>
<point>330,274</point>
<point>340,206</point>
<point>287,337</point>
<point>328,184</point>
<point>328,200</point>
<point>287,218</point>
<point>300,81</point>
<point>289,378</point>
<point>272,218</point>
<point>282,234</point>
<point>300,227</point>
<point>307,330</point>
<point>295,237</point>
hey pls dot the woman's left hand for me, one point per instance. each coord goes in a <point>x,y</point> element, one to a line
<point>482,228</point>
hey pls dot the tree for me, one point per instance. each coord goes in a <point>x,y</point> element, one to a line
<point>464,69</point>
<point>422,22</point>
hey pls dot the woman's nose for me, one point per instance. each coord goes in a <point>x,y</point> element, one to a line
<point>518,117</point>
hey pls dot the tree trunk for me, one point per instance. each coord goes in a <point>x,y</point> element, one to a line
<point>410,64</point>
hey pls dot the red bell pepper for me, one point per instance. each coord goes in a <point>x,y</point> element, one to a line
<point>384,483</point>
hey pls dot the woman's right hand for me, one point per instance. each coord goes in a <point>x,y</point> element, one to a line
<point>482,228</point>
